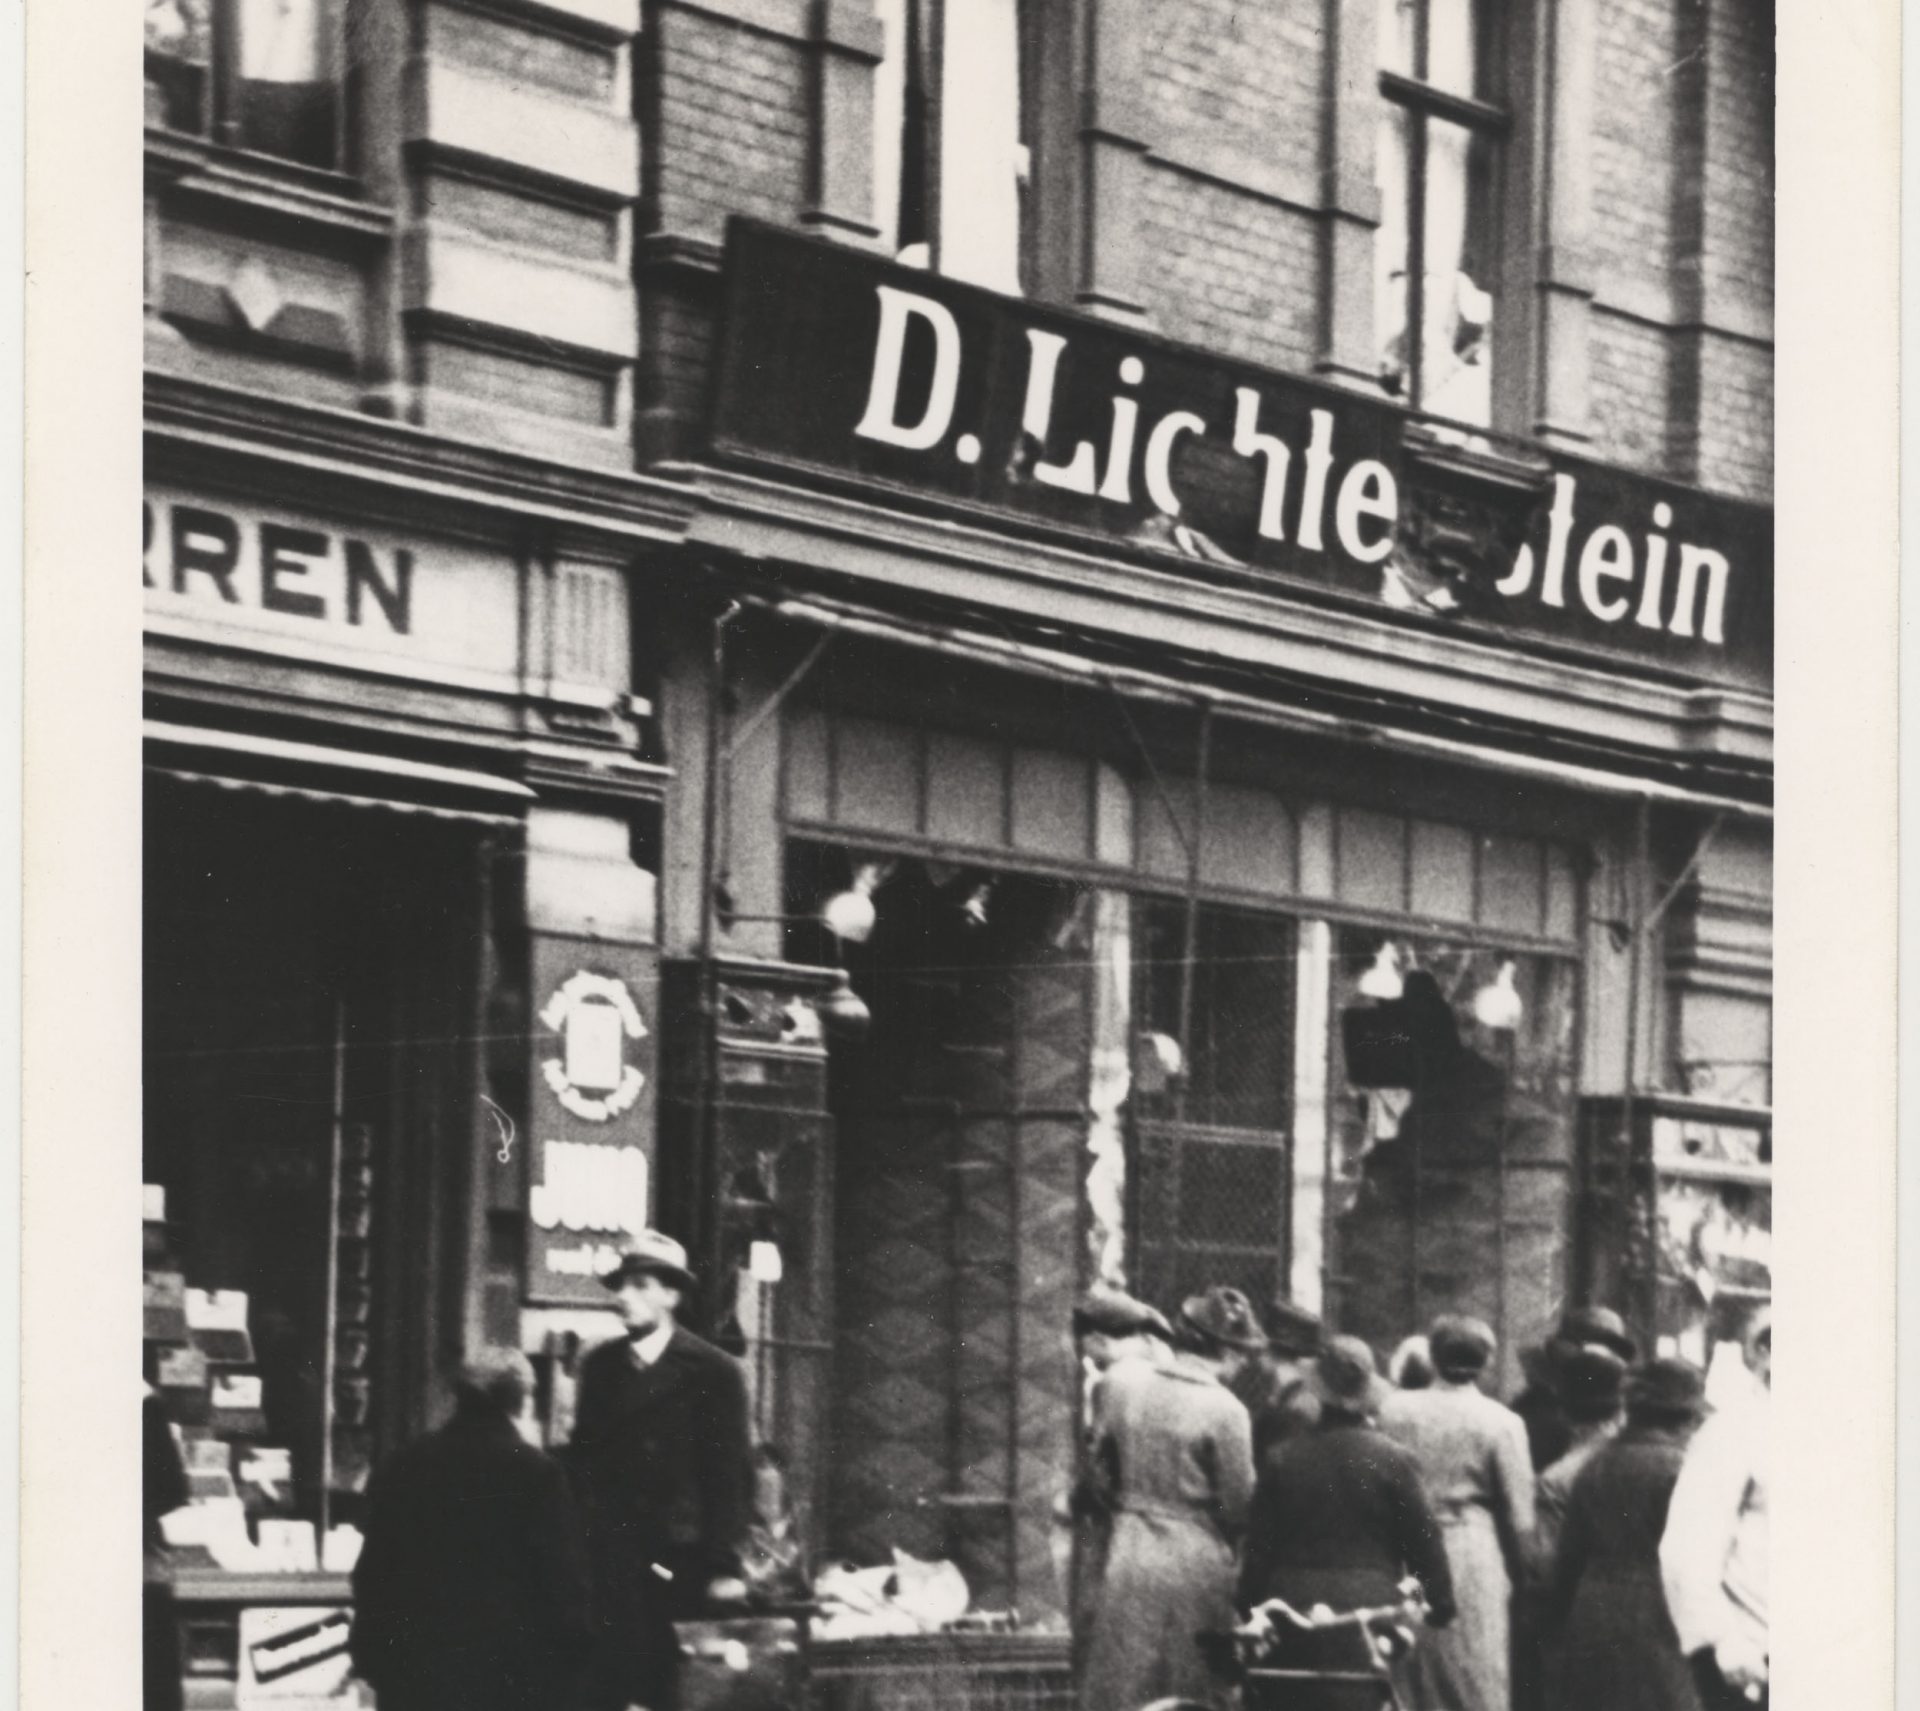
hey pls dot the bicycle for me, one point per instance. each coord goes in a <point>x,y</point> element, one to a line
<point>1387,1634</point>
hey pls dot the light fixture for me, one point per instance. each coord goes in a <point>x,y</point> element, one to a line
<point>843,1012</point>
<point>1498,1004</point>
<point>1383,979</point>
<point>849,914</point>
<point>974,910</point>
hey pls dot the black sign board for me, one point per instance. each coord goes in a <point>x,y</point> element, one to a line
<point>845,368</point>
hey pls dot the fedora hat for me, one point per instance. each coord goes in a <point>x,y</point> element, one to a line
<point>652,1254</point>
<point>1344,1377</point>
<point>1461,1346</point>
<point>1223,1316</point>
<point>1599,1326</point>
<point>1114,1313</point>
<point>1666,1389</point>
<point>1293,1330</point>
<point>1590,1383</point>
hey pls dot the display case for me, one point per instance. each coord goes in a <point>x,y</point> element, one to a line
<point>1676,1225</point>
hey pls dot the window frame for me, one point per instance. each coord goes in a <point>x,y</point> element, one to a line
<point>222,96</point>
<point>1423,102</point>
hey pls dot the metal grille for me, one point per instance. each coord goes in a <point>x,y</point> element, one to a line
<point>1211,1207</point>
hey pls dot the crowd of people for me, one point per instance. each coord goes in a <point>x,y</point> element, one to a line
<point>1590,1547</point>
<point>1584,1549</point>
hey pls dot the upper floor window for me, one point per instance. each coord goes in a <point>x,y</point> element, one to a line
<point>1436,258</point>
<point>952,143</point>
<point>261,75</point>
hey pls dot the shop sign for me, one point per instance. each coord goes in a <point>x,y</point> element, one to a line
<point>841,366</point>
<point>287,582</point>
<point>591,1167</point>
<point>295,1659</point>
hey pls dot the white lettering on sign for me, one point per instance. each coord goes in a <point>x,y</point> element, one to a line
<point>588,1187</point>
<point>1610,577</point>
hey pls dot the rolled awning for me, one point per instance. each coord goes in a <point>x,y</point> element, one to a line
<point>276,766</point>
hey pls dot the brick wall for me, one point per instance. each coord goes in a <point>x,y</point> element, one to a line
<point>1683,221</point>
<point>730,128</point>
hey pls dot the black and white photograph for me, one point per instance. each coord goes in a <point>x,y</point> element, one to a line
<point>954,860</point>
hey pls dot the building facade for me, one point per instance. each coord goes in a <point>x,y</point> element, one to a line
<point>1232,544</point>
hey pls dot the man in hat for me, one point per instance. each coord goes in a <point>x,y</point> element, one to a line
<point>1617,1647</point>
<point>662,1455</point>
<point>1549,1432</point>
<point>1714,1553</point>
<point>1110,1329</point>
<point>1472,1455</point>
<point>1339,1518</point>
<point>1177,1450</point>
<point>1274,1385</point>
<point>471,1590</point>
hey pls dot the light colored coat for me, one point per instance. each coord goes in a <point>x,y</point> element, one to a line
<point>1177,1446</point>
<point>1473,1459</point>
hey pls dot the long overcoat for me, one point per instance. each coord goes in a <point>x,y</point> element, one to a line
<point>1617,1643</point>
<point>662,1459</point>
<point>1178,1448</point>
<point>471,1593</point>
<point>1473,1461</point>
<point>1339,1518</point>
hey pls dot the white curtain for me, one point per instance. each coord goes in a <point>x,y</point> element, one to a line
<point>280,41</point>
<point>1455,373</point>
<point>981,160</point>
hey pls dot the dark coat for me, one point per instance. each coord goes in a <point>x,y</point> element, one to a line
<point>471,1590</point>
<point>662,1459</point>
<point>1620,1648</point>
<point>1339,1517</point>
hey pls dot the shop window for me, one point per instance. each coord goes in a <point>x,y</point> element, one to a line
<point>953,137</point>
<point>1437,165</point>
<point>1211,1094</point>
<point>310,1007</point>
<point>1450,1136</point>
<point>260,75</point>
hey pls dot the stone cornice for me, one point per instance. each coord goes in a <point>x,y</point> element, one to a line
<point>200,431</point>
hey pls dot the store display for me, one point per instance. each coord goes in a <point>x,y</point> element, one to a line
<point>217,1320</point>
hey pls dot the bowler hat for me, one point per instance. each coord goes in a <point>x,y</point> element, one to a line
<point>1581,1326</point>
<point>1590,1381</point>
<point>1114,1313</point>
<point>652,1254</point>
<point>1293,1330</point>
<point>1222,1316</point>
<point>1666,1389</point>
<point>1461,1346</point>
<point>1344,1378</point>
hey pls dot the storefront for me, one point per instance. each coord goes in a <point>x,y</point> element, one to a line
<point>400,837</point>
<point>1267,844</point>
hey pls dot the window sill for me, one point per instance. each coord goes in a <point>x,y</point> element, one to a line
<point>1477,457</point>
<point>197,170</point>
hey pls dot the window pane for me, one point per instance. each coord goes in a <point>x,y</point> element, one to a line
<point>178,48</point>
<point>1451,1064</point>
<point>287,94</point>
<point>1458,60</point>
<point>1459,276</point>
<point>1390,250</point>
<point>982,162</point>
<point>889,118</point>
<point>1396,36</point>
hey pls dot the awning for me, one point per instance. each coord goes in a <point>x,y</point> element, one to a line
<point>275,766</point>
<point>1008,652</point>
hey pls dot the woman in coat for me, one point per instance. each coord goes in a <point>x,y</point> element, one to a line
<point>1339,1519</point>
<point>1618,1646</point>
<point>1472,1455</point>
<point>1176,1448</point>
